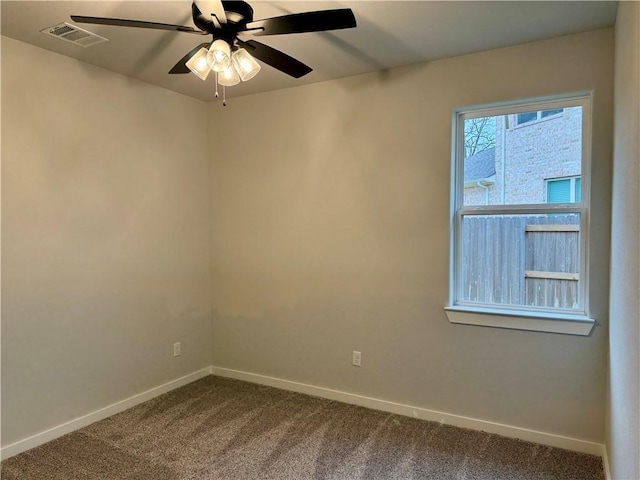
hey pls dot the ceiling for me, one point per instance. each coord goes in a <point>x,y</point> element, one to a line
<point>389,34</point>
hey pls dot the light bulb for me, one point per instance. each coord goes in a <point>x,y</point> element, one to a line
<point>229,77</point>
<point>219,56</point>
<point>245,64</point>
<point>202,64</point>
<point>198,64</point>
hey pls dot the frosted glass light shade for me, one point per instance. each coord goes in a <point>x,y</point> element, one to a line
<point>219,55</point>
<point>229,77</point>
<point>198,64</point>
<point>245,64</point>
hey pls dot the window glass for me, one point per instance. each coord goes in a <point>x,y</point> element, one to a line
<point>527,117</point>
<point>509,166</point>
<point>521,260</point>
<point>559,191</point>
<point>548,113</point>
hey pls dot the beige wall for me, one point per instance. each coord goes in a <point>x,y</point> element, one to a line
<point>623,412</point>
<point>330,234</point>
<point>105,238</point>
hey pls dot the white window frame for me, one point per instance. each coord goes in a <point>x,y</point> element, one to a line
<point>521,317</point>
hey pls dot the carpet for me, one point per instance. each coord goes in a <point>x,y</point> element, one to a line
<point>224,429</point>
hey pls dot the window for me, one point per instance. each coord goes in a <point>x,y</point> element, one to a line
<point>526,117</point>
<point>548,113</point>
<point>520,217</point>
<point>564,190</point>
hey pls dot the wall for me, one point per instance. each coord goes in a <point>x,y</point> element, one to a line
<point>105,238</point>
<point>623,413</point>
<point>331,212</point>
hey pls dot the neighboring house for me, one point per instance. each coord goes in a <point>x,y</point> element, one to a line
<point>524,145</point>
<point>479,177</point>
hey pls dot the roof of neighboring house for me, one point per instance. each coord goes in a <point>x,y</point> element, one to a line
<point>481,165</point>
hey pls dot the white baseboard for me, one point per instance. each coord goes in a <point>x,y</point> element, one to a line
<point>80,422</point>
<point>550,439</point>
<point>605,463</point>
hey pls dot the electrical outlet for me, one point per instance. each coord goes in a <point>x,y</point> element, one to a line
<point>176,349</point>
<point>356,359</point>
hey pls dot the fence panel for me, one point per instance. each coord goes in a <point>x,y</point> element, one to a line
<point>552,264</point>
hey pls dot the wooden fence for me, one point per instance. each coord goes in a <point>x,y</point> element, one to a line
<point>521,259</point>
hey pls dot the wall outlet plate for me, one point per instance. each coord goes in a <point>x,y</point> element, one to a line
<point>356,358</point>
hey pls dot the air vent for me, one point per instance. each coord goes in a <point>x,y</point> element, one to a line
<point>73,34</point>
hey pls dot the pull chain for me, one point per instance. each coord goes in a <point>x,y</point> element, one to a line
<point>216,77</point>
<point>224,96</point>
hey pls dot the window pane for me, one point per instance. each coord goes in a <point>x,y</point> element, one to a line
<point>508,164</point>
<point>559,191</point>
<point>547,113</point>
<point>479,136</point>
<point>527,117</point>
<point>578,190</point>
<point>520,260</point>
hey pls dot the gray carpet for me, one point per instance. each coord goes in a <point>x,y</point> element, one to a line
<point>218,428</point>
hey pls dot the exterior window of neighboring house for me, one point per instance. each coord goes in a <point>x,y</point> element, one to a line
<point>519,215</point>
<point>526,117</point>
<point>564,190</point>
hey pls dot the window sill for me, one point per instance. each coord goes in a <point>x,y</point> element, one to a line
<point>533,321</point>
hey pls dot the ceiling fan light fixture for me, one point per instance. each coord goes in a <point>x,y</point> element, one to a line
<point>219,55</point>
<point>226,21</point>
<point>198,64</point>
<point>245,64</point>
<point>229,77</point>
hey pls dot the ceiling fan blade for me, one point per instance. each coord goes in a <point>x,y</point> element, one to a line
<point>181,66</point>
<point>304,22</point>
<point>210,8</point>
<point>135,23</point>
<point>275,58</point>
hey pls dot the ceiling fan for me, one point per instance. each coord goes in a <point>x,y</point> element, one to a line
<point>230,57</point>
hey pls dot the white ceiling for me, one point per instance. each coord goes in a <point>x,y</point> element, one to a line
<point>389,34</point>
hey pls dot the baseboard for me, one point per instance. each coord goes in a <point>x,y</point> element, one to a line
<point>80,422</point>
<point>605,463</point>
<point>544,438</point>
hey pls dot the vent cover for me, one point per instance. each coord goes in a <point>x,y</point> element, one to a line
<point>71,33</point>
